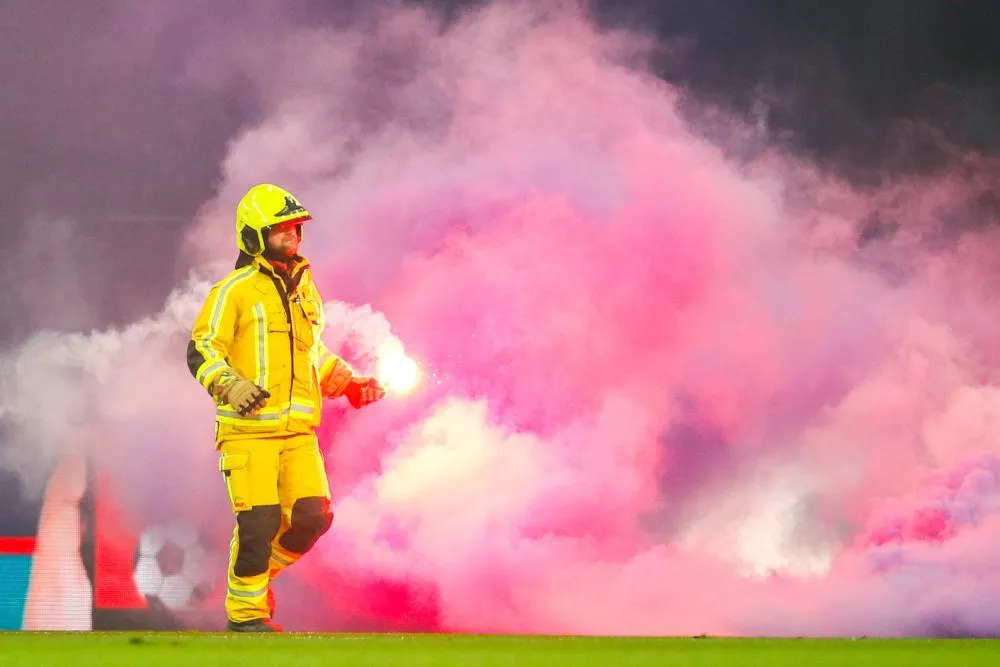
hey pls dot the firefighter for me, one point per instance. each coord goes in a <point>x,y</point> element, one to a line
<point>256,348</point>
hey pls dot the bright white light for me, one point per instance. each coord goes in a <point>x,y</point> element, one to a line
<point>396,371</point>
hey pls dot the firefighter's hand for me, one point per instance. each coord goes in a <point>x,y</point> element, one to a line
<point>245,397</point>
<point>362,390</point>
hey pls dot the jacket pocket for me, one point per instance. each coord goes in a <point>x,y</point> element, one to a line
<point>308,317</point>
<point>310,309</point>
<point>277,320</point>
<point>279,352</point>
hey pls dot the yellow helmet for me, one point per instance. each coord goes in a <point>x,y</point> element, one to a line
<point>262,206</point>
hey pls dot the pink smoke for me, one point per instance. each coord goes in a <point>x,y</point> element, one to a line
<point>665,392</point>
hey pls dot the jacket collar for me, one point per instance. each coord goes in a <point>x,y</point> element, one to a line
<point>290,282</point>
<point>299,264</point>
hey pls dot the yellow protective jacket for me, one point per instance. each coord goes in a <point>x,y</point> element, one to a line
<point>266,329</point>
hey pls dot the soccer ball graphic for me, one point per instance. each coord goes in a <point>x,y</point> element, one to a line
<point>174,566</point>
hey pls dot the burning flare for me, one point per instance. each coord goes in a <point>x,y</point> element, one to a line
<point>396,371</point>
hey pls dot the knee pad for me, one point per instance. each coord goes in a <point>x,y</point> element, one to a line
<point>311,517</point>
<point>257,527</point>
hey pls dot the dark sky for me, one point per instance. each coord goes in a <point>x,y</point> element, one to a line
<point>854,68</point>
<point>101,124</point>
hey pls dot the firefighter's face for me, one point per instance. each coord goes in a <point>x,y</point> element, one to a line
<point>283,239</point>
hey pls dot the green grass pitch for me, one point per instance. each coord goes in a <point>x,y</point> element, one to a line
<point>288,650</point>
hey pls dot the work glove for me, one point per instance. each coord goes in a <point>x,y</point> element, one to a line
<point>361,391</point>
<point>245,397</point>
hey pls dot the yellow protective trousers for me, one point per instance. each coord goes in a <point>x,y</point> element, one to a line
<point>279,492</point>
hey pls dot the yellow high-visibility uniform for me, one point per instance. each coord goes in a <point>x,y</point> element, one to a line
<point>267,329</point>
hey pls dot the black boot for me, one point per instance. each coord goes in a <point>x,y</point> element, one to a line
<point>256,625</point>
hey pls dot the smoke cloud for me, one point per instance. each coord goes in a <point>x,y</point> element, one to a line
<point>675,381</point>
